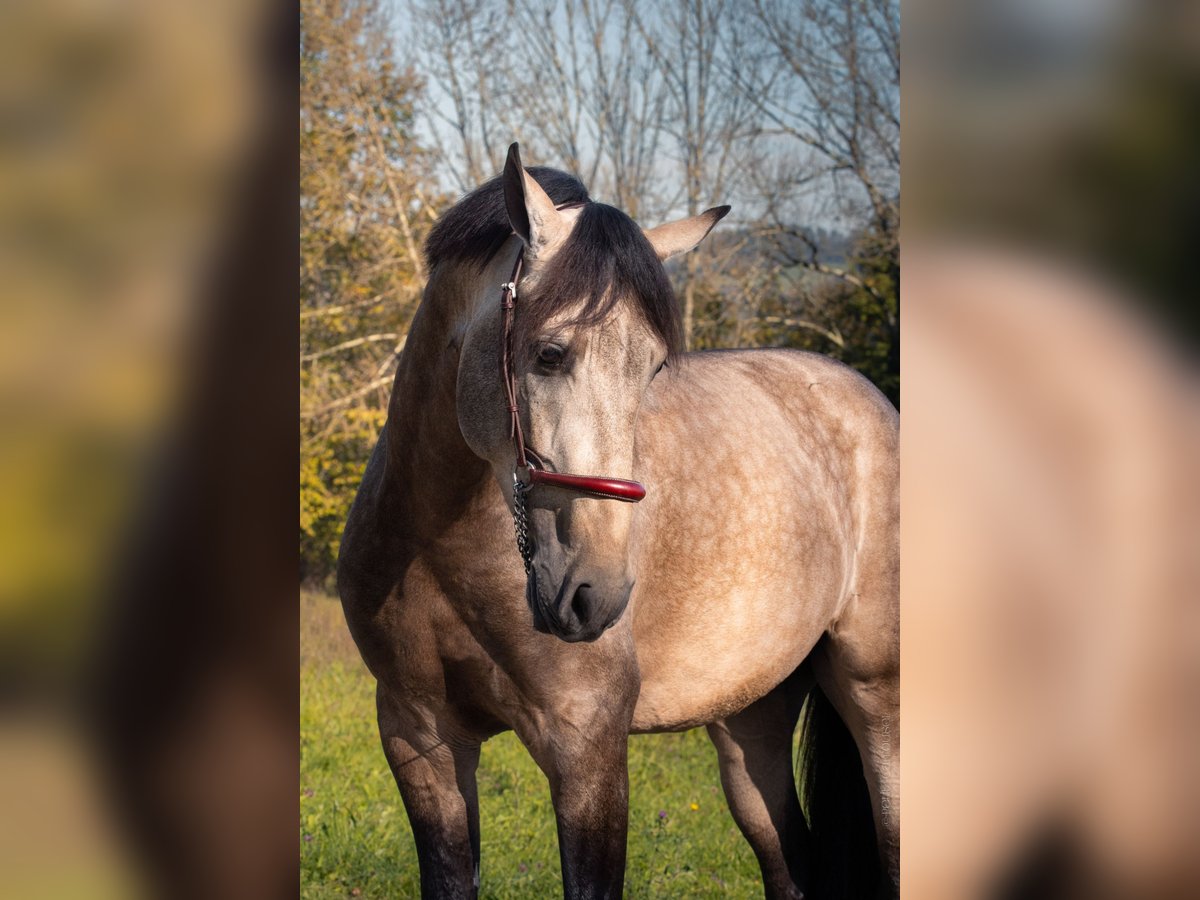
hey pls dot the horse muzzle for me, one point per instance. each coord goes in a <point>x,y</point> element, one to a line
<point>578,610</point>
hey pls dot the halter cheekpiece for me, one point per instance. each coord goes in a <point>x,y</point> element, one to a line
<point>530,470</point>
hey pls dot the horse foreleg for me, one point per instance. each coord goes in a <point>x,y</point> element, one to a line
<point>589,783</point>
<point>754,748</point>
<point>437,783</point>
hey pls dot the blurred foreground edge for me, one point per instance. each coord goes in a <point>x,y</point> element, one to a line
<point>1050,616</point>
<point>191,698</point>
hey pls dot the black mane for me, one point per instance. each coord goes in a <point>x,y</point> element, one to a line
<point>476,227</point>
<point>606,259</point>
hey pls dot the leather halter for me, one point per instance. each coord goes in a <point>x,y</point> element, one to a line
<point>602,488</point>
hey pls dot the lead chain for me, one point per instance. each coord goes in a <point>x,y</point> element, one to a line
<point>521,522</point>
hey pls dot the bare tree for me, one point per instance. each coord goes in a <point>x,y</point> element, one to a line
<point>596,98</point>
<point>710,126</point>
<point>825,75</point>
<point>460,47</point>
<point>566,77</point>
<point>637,101</point>
<point>786,108</point>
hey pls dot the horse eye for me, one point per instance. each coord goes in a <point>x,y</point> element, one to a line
<point>551,356</point>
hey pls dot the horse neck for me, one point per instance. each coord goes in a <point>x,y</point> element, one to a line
<point>426,453</point>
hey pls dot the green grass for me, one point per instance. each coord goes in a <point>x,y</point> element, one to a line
<point>355,834</point>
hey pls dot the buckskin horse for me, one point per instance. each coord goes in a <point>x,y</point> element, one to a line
<point>502,569</point>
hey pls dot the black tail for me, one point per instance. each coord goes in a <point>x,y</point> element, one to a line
<point>833,793</point>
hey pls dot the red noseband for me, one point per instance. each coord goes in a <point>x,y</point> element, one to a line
<point>601,488</point>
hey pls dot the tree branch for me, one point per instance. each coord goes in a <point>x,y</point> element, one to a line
<point>346,400</point>
<point>347,345</point>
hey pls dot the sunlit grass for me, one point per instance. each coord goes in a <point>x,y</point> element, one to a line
<point>355,834</point>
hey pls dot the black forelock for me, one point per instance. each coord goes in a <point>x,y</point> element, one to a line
<point>606,259</point>
<point>476,227</point>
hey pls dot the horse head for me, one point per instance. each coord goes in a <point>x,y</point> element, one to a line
<point>594,321</point>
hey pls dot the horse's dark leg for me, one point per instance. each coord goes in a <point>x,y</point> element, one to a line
<point>589,783</point>
<point>870,707</point>
<point>755,752</point>
<point>437,782</point>
<point>583,749</point>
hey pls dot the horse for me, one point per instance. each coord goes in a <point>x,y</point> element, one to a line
<point>749,581</point>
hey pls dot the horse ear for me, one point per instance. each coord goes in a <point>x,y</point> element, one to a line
<point>679,237</point>
<point>531,212</point>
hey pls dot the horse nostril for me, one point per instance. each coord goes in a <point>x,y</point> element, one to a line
<point>581,603</point>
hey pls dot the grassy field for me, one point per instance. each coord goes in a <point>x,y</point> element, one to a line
<point>354,834</point>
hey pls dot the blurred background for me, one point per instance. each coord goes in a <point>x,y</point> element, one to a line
<point>1051,494</point>
<point>148,395</point>
<point>147,449</point>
